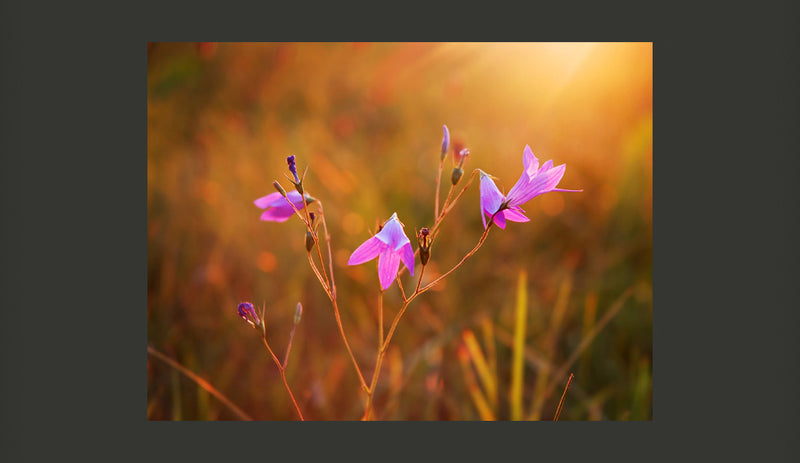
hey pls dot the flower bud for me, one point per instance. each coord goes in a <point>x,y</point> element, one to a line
<point>424,240</point>
<point>297,182</point>
<point>456,175</point>
<point>248,313</point>
<point>445,141</point>
<point>462,156</point>
<point>293,169</point>
<point>298,312</point>
<point>309,241</point>
<point>309,236</point>
<point>279,188</point>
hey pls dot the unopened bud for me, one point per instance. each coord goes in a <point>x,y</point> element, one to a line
<point>445,141</point>
<point>248,313</point>
<point>309,241</point>
<point>456,176</point>
<point>293,168</point>
<point>298,312</point>
<point>462,156</point>
<point>279,188</point>
<point>424,240</point>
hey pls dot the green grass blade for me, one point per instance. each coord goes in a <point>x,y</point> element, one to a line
<point>518,355</point>
<point>481,365</point>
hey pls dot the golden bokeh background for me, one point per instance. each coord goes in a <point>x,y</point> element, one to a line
<point>366,118</point>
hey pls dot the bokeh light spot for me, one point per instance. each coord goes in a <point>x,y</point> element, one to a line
<point>267,261</point>
<point>342,256</point>
<point>552,203</point>
<point>352,223</point>
<point>209,191</point>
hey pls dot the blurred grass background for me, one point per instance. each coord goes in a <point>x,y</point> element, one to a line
<point>367,118</point>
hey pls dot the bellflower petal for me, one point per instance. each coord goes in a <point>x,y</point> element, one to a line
<point>390,246</point>
<point>534,181</point>
<point>267,201</point>
<point>530,162</point>
<point>543,182</point>
<point>515,215</point>
<point>367,251</point>
<point>500,219</point>
<point>388,264</point>
<point>277,214</point>
<point>392,233</point>
<point>277,207</point>
<point>521,185</point>
<point>407,256</point>
<point>491,198</point>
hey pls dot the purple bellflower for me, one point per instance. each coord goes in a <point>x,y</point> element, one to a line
<point>277,208</point>
<point>534,181</point>
<point>390,246</point>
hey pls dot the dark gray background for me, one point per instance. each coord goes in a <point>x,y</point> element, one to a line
<point>73,179</point>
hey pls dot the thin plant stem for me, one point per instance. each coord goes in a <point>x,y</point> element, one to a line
<point>393,327</point>
<point>382,351</point>
<point>299,214</point>
<point>463,259</point>
<point>452,204</point>
<point>440,217</point>
<point>332,296</point>
<point>289,347</point>
<point>316,241</point>
<point>380,319</point>
<point>421,272</point>
<point>316,272</point>
<point>328,243</point>
<point>561,402</point>
<point>283,376</point>
<point>346,343</point>
<point>400,285</point>
<point>200,382</point>
<point>328,290</point>
<point>329,287</point>
<point>438,184</point>
<point>307,221</point>
<point>447,200</point>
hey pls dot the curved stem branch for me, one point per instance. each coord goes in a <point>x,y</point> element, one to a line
<point>283,377</point>
<point>421,272</point>
<point>330,289</point>
<point>438,184</point>
<point>463,259</point>
<point>440,217</point>
<point>380,319</point>
<point>316,242</point>
<point>328,243</point>
<point>347,344</point>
